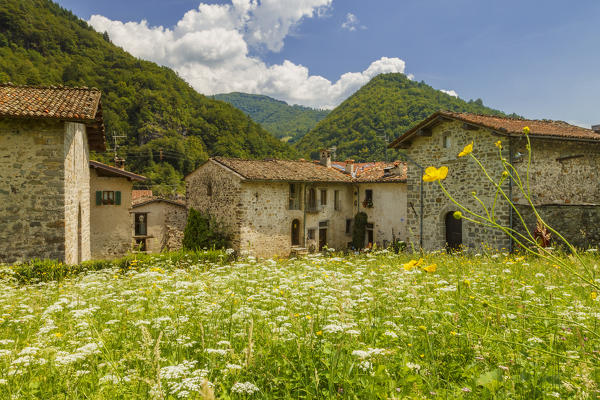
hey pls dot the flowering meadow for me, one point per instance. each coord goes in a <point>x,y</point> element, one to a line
<point>378,325</point>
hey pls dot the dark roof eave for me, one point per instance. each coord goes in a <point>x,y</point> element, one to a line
<point>175,203</point>
<point>117,171</point>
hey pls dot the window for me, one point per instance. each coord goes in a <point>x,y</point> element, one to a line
<point>209,189</point>
<point>368,202</point>
<point>337,205</point>
<point>323,224</point>
<point>312,199</point>
<point>446,140</point>
<point>141,224</point>
<point>311,234</point>
<point>108,197</point>
<point>349,226</point>
<point>323,197</point>
<point>294,203</point>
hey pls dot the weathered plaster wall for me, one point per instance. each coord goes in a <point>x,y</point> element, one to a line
<point>388,214</point>
<point>224,203</point>
<point>336,219</point>
<point>110,225</point>
<point>32,208</point>
<point>464,178</point>
<point>165,221</point>
<point>77,193</point>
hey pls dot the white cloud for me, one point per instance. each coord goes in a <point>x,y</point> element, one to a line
<point>209,48</point>
<point>350,23</point>
<point>449,92</point>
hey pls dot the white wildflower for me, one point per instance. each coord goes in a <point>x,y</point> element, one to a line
<point>244,388</point>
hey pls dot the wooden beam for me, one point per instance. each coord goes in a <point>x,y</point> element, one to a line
<point>470,127</point>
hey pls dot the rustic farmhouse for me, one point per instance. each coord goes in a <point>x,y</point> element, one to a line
<point>565,178</point>
<point>45,137</point>
<point>158,224</point>
<point>110,221</point>
<point>272,207</point>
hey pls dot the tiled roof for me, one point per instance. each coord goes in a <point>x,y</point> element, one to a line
<point>108,170</point>
<point>375,172</point>
<point>283,170</point>
<point>307,171</point>
<point>510,126</point>
<point>143,201</point>
<point>137,195</point>
<point>63,103</point>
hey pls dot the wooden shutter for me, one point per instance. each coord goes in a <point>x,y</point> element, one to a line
<point>118,198</point>
<point>99,198</point>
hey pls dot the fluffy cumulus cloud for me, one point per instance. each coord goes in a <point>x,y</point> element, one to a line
<point>449,92</point>
<point>209,47</point>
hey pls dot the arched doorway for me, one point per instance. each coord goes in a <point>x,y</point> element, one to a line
<point>453,232</point>
<point>295,233</point>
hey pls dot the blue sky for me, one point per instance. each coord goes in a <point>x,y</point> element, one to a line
<point>537,59</point>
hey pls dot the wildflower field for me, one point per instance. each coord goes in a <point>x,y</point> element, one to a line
<point>378,325</point>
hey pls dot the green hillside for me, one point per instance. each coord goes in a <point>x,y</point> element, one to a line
<point>42,43</point>
<point>286,122</point>
<point>388,105</point>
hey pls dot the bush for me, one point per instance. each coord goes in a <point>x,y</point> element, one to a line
<point>203,232</point>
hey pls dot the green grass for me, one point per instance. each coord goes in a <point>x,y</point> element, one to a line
<point>352,327</point>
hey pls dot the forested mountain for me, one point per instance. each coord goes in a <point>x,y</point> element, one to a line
<point>286,122</point>
<point>388,105</point>
<point>44,44</point>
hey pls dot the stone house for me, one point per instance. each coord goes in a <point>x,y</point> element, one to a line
<point>565,178</point>
<point>273,207</point>
<point>46,134</point>
<point>158,224</point>
<point>110,221</point>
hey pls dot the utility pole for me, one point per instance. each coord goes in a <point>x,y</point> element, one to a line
<point>116,148</point>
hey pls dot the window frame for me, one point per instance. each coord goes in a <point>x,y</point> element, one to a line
<point>323,197</point>
<point>108,198</point>
<point>136,224</point>
<point>337,204</point>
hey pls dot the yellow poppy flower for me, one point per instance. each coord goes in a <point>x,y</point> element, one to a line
<point>457,215</point>
<point>433,174</point>
<point>468,148</point>
<point>594,295</point>
<point>526,130</point>
<point>413,264</point>
<point>430,268</point>
<point>499,144</point>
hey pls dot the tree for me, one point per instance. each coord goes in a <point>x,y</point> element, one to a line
<point>202,232</point>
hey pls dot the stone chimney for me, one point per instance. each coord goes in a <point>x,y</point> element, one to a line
<point>120,163</point>
<point>596,128</point>
<point>325,158</point>
<point>349,167</point>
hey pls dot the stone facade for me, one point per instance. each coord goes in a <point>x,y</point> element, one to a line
<point>165,223</point>
<point>562,172</point>
<point>258,215</point>
<point>44,191</point>
<point>110,223</point>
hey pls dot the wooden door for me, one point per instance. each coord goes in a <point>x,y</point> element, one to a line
<point>295,232</point>
<point>322,238</point>
<point>453,232</point>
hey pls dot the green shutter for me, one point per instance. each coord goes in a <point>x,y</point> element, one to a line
<point>98,198</point>
<point>118,198</point>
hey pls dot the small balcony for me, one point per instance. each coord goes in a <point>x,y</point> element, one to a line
<point>313,208</point>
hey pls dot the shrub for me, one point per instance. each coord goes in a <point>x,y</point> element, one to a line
<point>202,232</point>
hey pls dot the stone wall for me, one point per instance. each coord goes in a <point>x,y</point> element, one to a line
<point>110,224</point>
<point>77,193</point>
<point>464,178</point>
<point>388,214</point>
<point>562,171</point>
<point>32,208</point>
<point>165,225</point>
<point>579,224</point>
<point>216,191</point>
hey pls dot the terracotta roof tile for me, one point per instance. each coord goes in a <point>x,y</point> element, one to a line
<point>283,170</point>
<point>136,195</point>
<point>63,103</point>
<point>307,171</point>
<point>510,126</point>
